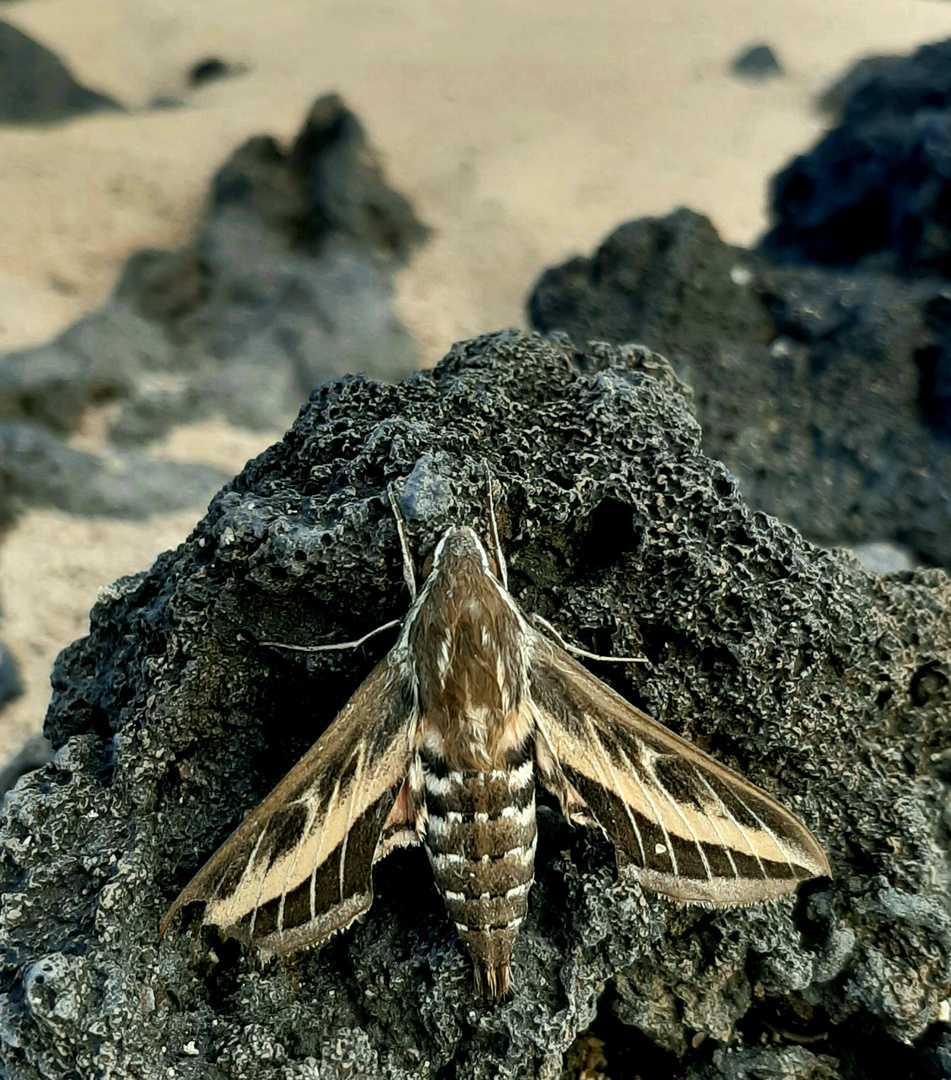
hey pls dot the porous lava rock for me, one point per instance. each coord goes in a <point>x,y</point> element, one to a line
<point>826,393</point>
<point>287,284</point>
<point>826,685</point>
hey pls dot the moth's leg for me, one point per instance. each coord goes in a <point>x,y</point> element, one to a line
<point>337,645</point>
<point>547,626</point>
<point>409,576</point>
<point>494,526</point>
<point>409,570</point>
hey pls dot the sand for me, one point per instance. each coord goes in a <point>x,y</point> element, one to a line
<point>522,130</point>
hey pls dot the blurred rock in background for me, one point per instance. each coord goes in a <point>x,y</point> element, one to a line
<point>11,686</point>
<point>36,751</point>
<point>756,63</point>
<point>36,87</point>
<point>875,192</point>
<point>211,68</point>
<point>825,388</point>
<point>287,284</point>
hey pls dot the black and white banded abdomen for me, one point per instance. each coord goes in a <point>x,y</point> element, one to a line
<point>481,837</point>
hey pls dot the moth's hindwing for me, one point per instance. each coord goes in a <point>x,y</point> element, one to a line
<point>683,824</point>
<point>298,868</point>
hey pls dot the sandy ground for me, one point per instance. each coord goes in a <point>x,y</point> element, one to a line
<point>522,130</point>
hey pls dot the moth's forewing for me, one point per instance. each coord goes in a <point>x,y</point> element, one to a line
<point>684,824</point>
<point>298,868</point>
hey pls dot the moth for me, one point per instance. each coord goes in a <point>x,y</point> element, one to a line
<point>443,744</point>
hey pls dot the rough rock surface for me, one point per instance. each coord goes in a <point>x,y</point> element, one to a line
<point>876,189</point>
<point>827,685</point>
<point>36,87</point>
<point>287,285</point>
<point>826,393</point>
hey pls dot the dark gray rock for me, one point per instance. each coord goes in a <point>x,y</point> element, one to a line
<point>210,69</point>
<point>99,359</point>
<point>839,93</point>
<point>36,87</point>
<point>791,1063</point>
<point>11,685</point>
<point>756,63</point>
<point>876,190</point>
<point>43,471</point>
<point>822,391</point>
<point>344,186</point>
<point>899,85</point>
<point>828,686</point>
<point>287,285</point>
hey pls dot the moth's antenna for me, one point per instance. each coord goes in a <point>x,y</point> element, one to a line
<point>337,645</point>
<point>584,652</point>
<point>409,570</point>
<point>494,526</point>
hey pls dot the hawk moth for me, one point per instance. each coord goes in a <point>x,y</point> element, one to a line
<point>442,745</point>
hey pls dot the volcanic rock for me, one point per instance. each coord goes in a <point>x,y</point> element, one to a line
<point>826,393</point>
<point>828,686</point>
<point>876,190</point>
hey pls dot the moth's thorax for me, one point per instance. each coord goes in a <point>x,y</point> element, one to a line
<point>467,647</point>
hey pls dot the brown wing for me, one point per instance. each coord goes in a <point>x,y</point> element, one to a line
<point>298,868</point>
<point>684,824</point>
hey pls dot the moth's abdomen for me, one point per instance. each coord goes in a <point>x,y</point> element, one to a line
<point>481,835</point>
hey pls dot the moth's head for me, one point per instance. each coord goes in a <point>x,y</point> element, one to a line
<point>460,548</point>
